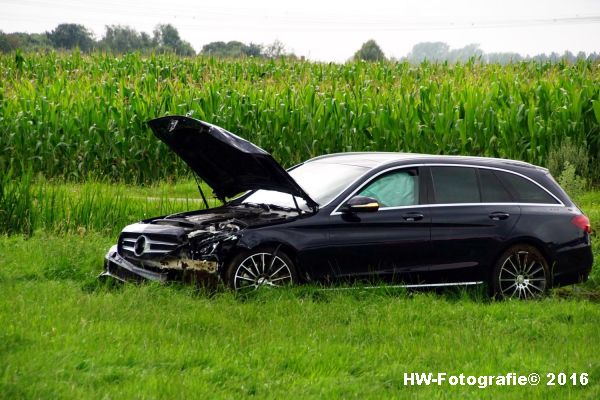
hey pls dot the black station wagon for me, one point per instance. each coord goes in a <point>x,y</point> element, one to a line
<point>409,219</point>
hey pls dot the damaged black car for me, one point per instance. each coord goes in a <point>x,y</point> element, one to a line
<point>408,219</point>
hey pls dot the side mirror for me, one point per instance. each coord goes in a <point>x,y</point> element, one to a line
<point>361,204</point>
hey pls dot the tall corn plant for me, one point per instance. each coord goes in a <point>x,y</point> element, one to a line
<point>78,117</point>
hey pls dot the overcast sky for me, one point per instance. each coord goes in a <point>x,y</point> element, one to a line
<point>333,30</point>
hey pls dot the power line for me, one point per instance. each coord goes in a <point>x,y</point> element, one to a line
<point>211,16</point>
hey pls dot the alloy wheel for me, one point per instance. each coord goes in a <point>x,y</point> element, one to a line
<point>522,276</point>
<point>262,270</point>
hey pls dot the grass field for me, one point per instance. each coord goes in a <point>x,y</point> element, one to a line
<point>65,335</point>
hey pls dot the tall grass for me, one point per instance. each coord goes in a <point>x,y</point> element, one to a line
<point>15,203</point>
<point>74,116</point>
<point>28,205</point>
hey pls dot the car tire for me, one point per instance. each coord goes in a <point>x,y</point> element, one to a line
<point>265,267</point>
<point>522,273</point>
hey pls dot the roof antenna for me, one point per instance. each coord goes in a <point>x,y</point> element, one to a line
<point>198,183</point>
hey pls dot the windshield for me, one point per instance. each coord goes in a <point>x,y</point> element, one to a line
<point>320,180</point>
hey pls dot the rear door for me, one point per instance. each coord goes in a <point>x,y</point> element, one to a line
<point>472,215</point>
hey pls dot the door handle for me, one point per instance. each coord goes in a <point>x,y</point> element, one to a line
<point>412,216</point>
<point>497,216</point>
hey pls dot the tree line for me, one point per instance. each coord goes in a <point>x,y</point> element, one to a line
<point>117,38</point>
<point>165,38</point>
<point>124,39</point>
<point>441,52</point>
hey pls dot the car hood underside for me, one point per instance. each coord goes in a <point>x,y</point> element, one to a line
<point>229,164</point>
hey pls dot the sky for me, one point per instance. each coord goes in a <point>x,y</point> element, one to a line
<point>333,30</point>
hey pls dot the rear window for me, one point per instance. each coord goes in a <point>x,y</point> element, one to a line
<point>492,190</point>
<point>524,190</point>
<point>455,185</point>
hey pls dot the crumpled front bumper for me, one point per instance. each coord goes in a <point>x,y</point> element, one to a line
<point>171,269</point>
<point>122,270</point>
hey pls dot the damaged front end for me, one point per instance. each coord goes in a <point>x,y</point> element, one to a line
<point>188,248</point>
<point>194,246</point>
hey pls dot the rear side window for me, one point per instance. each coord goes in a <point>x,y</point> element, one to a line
<point>492,190</point>
<point>524,190</point>
<point>455,185</point>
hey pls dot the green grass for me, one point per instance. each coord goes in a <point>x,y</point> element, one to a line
<point>28,204</point>
<point>63,335</point>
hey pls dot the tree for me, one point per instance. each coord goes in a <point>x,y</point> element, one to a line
<point>569,56</point>
<point>185,49</point>
<point>5,43</point>
<point>369,51</point>
<point>232,49</point>
<point>122,39</point>
<point>69,36</point>
<point>554,57</point>
<point>254,50</point>
<point>464,54</point>
<point>166,35</point>
<point>9,42</point>
<point>274,50</point>
<point>217,49</point>
<point>431,51</point>
<point>166,38</point>
<point>502,58</point>
<point>221,49</point>
<point>24,41</point>
<point>542,58</point>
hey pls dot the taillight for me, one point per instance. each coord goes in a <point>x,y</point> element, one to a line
<point>582,222</point>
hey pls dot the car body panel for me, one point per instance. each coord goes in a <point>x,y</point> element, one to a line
<point>387,244</point>
<point>465,238</point>
<point>567,247</point>
<point>229,164</point>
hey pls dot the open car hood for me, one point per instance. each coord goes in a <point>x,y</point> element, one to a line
<point>227,163</point>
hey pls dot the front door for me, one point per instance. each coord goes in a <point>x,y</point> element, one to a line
<point>391,243</point>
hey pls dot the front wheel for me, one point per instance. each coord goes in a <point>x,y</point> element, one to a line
<point>521,273</point>
<point>251,270</point>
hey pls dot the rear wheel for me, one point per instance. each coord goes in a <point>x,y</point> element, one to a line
<point>267,267</point>
<point>521,273</point>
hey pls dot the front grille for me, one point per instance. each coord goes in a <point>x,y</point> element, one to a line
<point>149,245</point>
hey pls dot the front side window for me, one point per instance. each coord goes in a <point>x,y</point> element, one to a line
<point>455,185</point>
<point>394,189</point>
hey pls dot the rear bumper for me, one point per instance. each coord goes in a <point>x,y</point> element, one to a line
<point>573,265</point>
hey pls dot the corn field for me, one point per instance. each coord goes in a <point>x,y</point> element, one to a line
<point>75,117</point>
